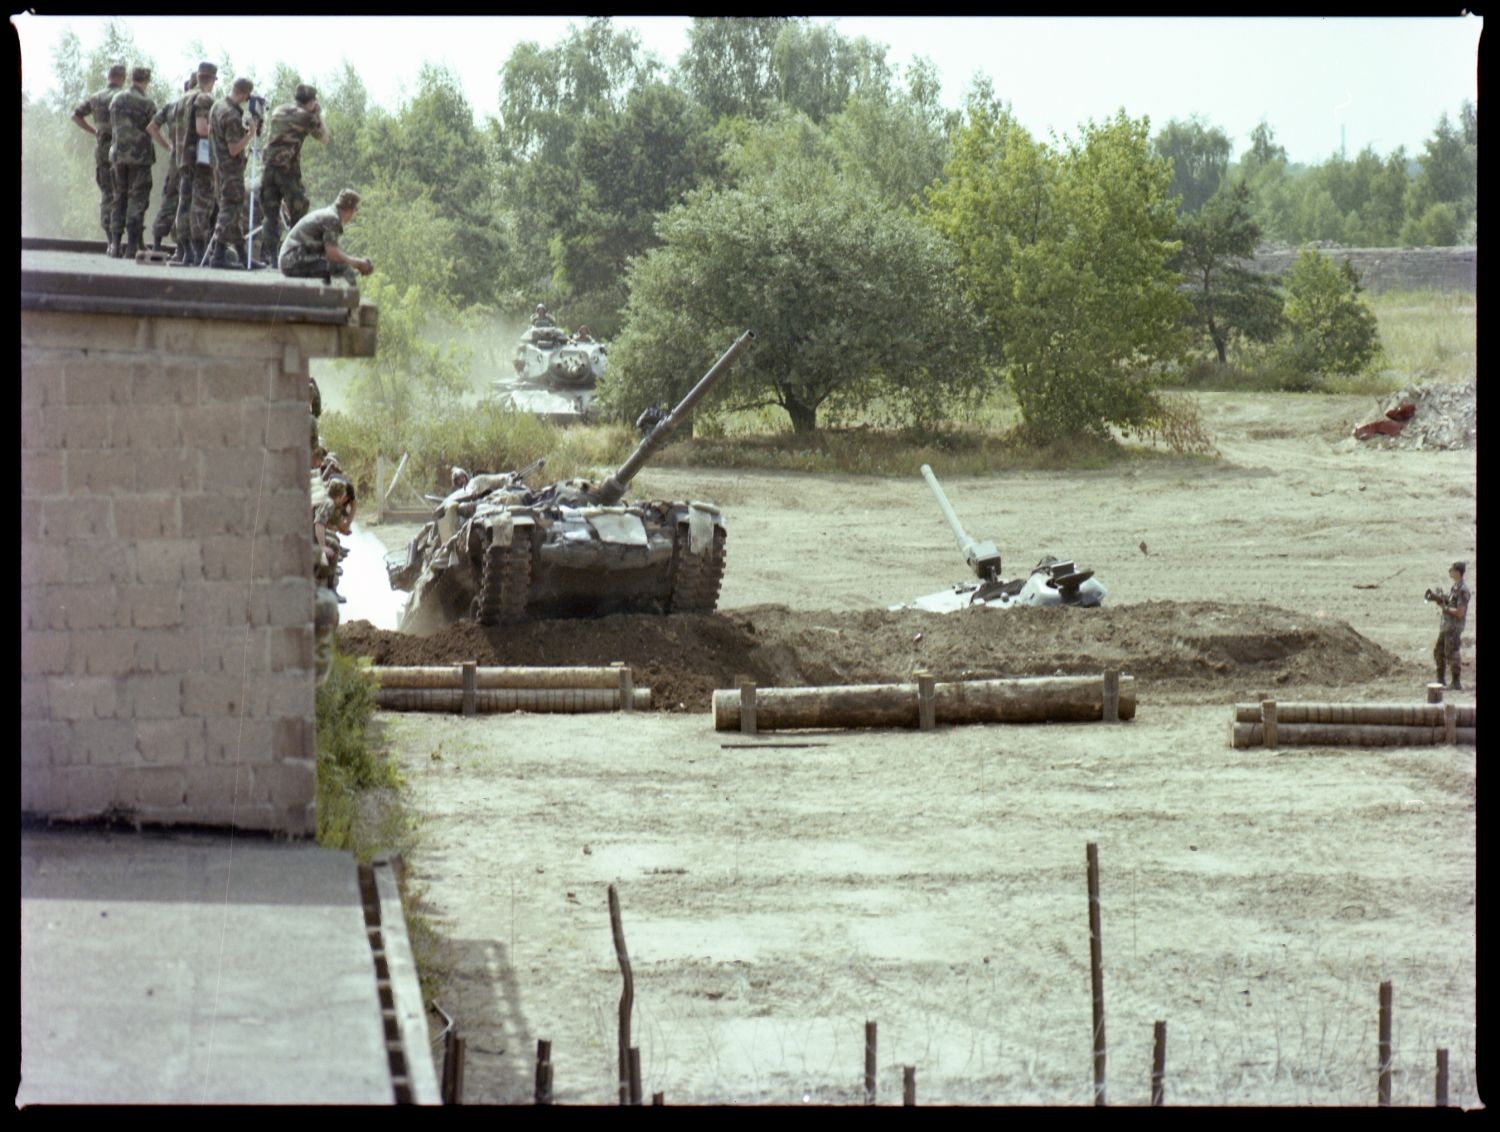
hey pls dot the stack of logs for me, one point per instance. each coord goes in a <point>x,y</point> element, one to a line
<point>1270,724</point>
<point>467,688</point>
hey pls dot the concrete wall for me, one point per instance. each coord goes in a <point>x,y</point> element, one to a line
<point>166,596</point>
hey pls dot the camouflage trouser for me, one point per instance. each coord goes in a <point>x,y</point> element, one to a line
<point>104,177</point>
<point>132,197</point>
<point>166,216</point>
<point>297,264</point>
<point>230,228</point>
<point>1446,651</point>
<point>195,204</point>
<point>276,186</point>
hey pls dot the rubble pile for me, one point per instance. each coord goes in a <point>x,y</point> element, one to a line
<point>1441,416</point>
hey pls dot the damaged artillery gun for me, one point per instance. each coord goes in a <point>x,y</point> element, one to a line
<point>1052,581</point>
<point>498,551</point>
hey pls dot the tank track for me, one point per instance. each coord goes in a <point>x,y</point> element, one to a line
<point>506,583</point>
<point>696,579</point>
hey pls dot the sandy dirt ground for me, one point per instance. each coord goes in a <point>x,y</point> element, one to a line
<point>777,893</point>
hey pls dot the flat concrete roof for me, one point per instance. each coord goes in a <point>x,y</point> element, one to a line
<point>67,275</point>
<point>171,968</point>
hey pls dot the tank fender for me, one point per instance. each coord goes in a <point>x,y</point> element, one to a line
<point>700,524</point>
<point>502,525</point>
<point>616,525</point>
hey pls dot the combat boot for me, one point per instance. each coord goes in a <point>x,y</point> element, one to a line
<point>112,249</point>
<point>133,241</point>
<point>270,241</point>
<point>220,259</point>
<point>156,242</point>
<point>1455,686</point>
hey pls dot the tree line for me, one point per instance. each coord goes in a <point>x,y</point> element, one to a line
<point>894,256</point>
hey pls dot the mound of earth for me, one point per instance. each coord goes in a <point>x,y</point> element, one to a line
<point>1443,416</point>
<point>1194,649</point>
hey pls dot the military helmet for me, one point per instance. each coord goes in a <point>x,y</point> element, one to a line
<point>207,70</point>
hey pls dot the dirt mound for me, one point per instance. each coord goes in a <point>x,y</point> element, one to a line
<point>1182,649</point>
<point>1442,416</point>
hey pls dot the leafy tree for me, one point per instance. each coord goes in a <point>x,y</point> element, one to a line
<point>1332,330</point>
<point>817,70</point>
<point>850,301</point>
<point>896,144</point>
<point>1065,253</point>
<point>1437,227</point>
<point>1449,170</point>
<point>1229,300</point>
<point>726,67</point>
<point>1199,155</point>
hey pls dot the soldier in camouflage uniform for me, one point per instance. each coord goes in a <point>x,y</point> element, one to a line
<point>131,155</point>
<point>311,248</point>
<point>281,173</point>
<point>163,131</point>
<point>195,196</point>
<point>232,132</point>
<point>1453,615</point>
<point>96,106</point>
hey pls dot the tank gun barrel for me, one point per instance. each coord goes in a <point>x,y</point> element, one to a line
<point>983,557</point>
<point>613,489</point>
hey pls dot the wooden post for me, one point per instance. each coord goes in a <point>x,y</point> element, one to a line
<point>909,1085</point>
<point>926,708</point>
<point>541,1094</point>
<point>1096,972</point>
<point>635,1074</point>
<point>627,685</point>
<point>379,487</point>
<point>1434,693</point>
<point>658,1098</point>
<point>456,1080</point>
<point>1383,1090</point>
<point>1442,1079</point>
<point>1450,723</point>
<point>747,705</point>
<point>1268,722</point>
<point>1159,1064</point>
<point>627,993</point>
<point>1111,695</point>
<point>869,1063</point>
<point>470,668</point>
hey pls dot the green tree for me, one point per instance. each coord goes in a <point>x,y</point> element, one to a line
<point>817,70</point>
<point>1229,300</point>
<point>898,144</point>
<point>1331,329</point>
<point>1199,155</point>
<point>1065,253</point>
<point>1449,170</point>
<point>726,67</point>
<point>850,301</point>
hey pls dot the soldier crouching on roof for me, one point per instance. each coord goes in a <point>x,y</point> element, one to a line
<point>96,106</point>
<point>311,249</point>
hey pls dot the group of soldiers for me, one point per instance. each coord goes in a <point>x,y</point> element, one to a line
<point>206,194</point>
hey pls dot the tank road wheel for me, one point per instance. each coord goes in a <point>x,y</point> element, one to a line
<point>506,583</point>
<point>696,578</point>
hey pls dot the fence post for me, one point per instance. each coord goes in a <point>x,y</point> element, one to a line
<point>1111,695</point>
<point>1096,972</point>
<point>1383,1090</point>
<point>869,1063</point>
<point>1159,1064</point>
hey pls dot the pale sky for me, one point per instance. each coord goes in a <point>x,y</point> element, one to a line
<point>1381,81</point>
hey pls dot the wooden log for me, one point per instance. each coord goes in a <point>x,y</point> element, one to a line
<point>1434,693</point>
<point>487,677</point>
<point>908,1085</point>
<point>563,700</point>
<point>1268,720</point>
<point>1401,715</point>
<point>1037,699</point>
<point>1349,735</point>
<point>1111,695</point>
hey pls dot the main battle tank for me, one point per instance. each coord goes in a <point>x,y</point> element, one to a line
<point>1052,581</point>
<point>555,374</point>
<point>498,551</point>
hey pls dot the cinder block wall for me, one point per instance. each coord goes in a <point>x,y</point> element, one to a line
<point>166,595</point>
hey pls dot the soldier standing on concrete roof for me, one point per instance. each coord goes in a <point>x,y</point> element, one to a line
<point>163,131</point>
<point>96,106</point>
<point>311,249</point>
<point>131,155</point>
<point>232,134</point>
<point>281,173</point>
<point>195,197</point>
<point>1453,615</point>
